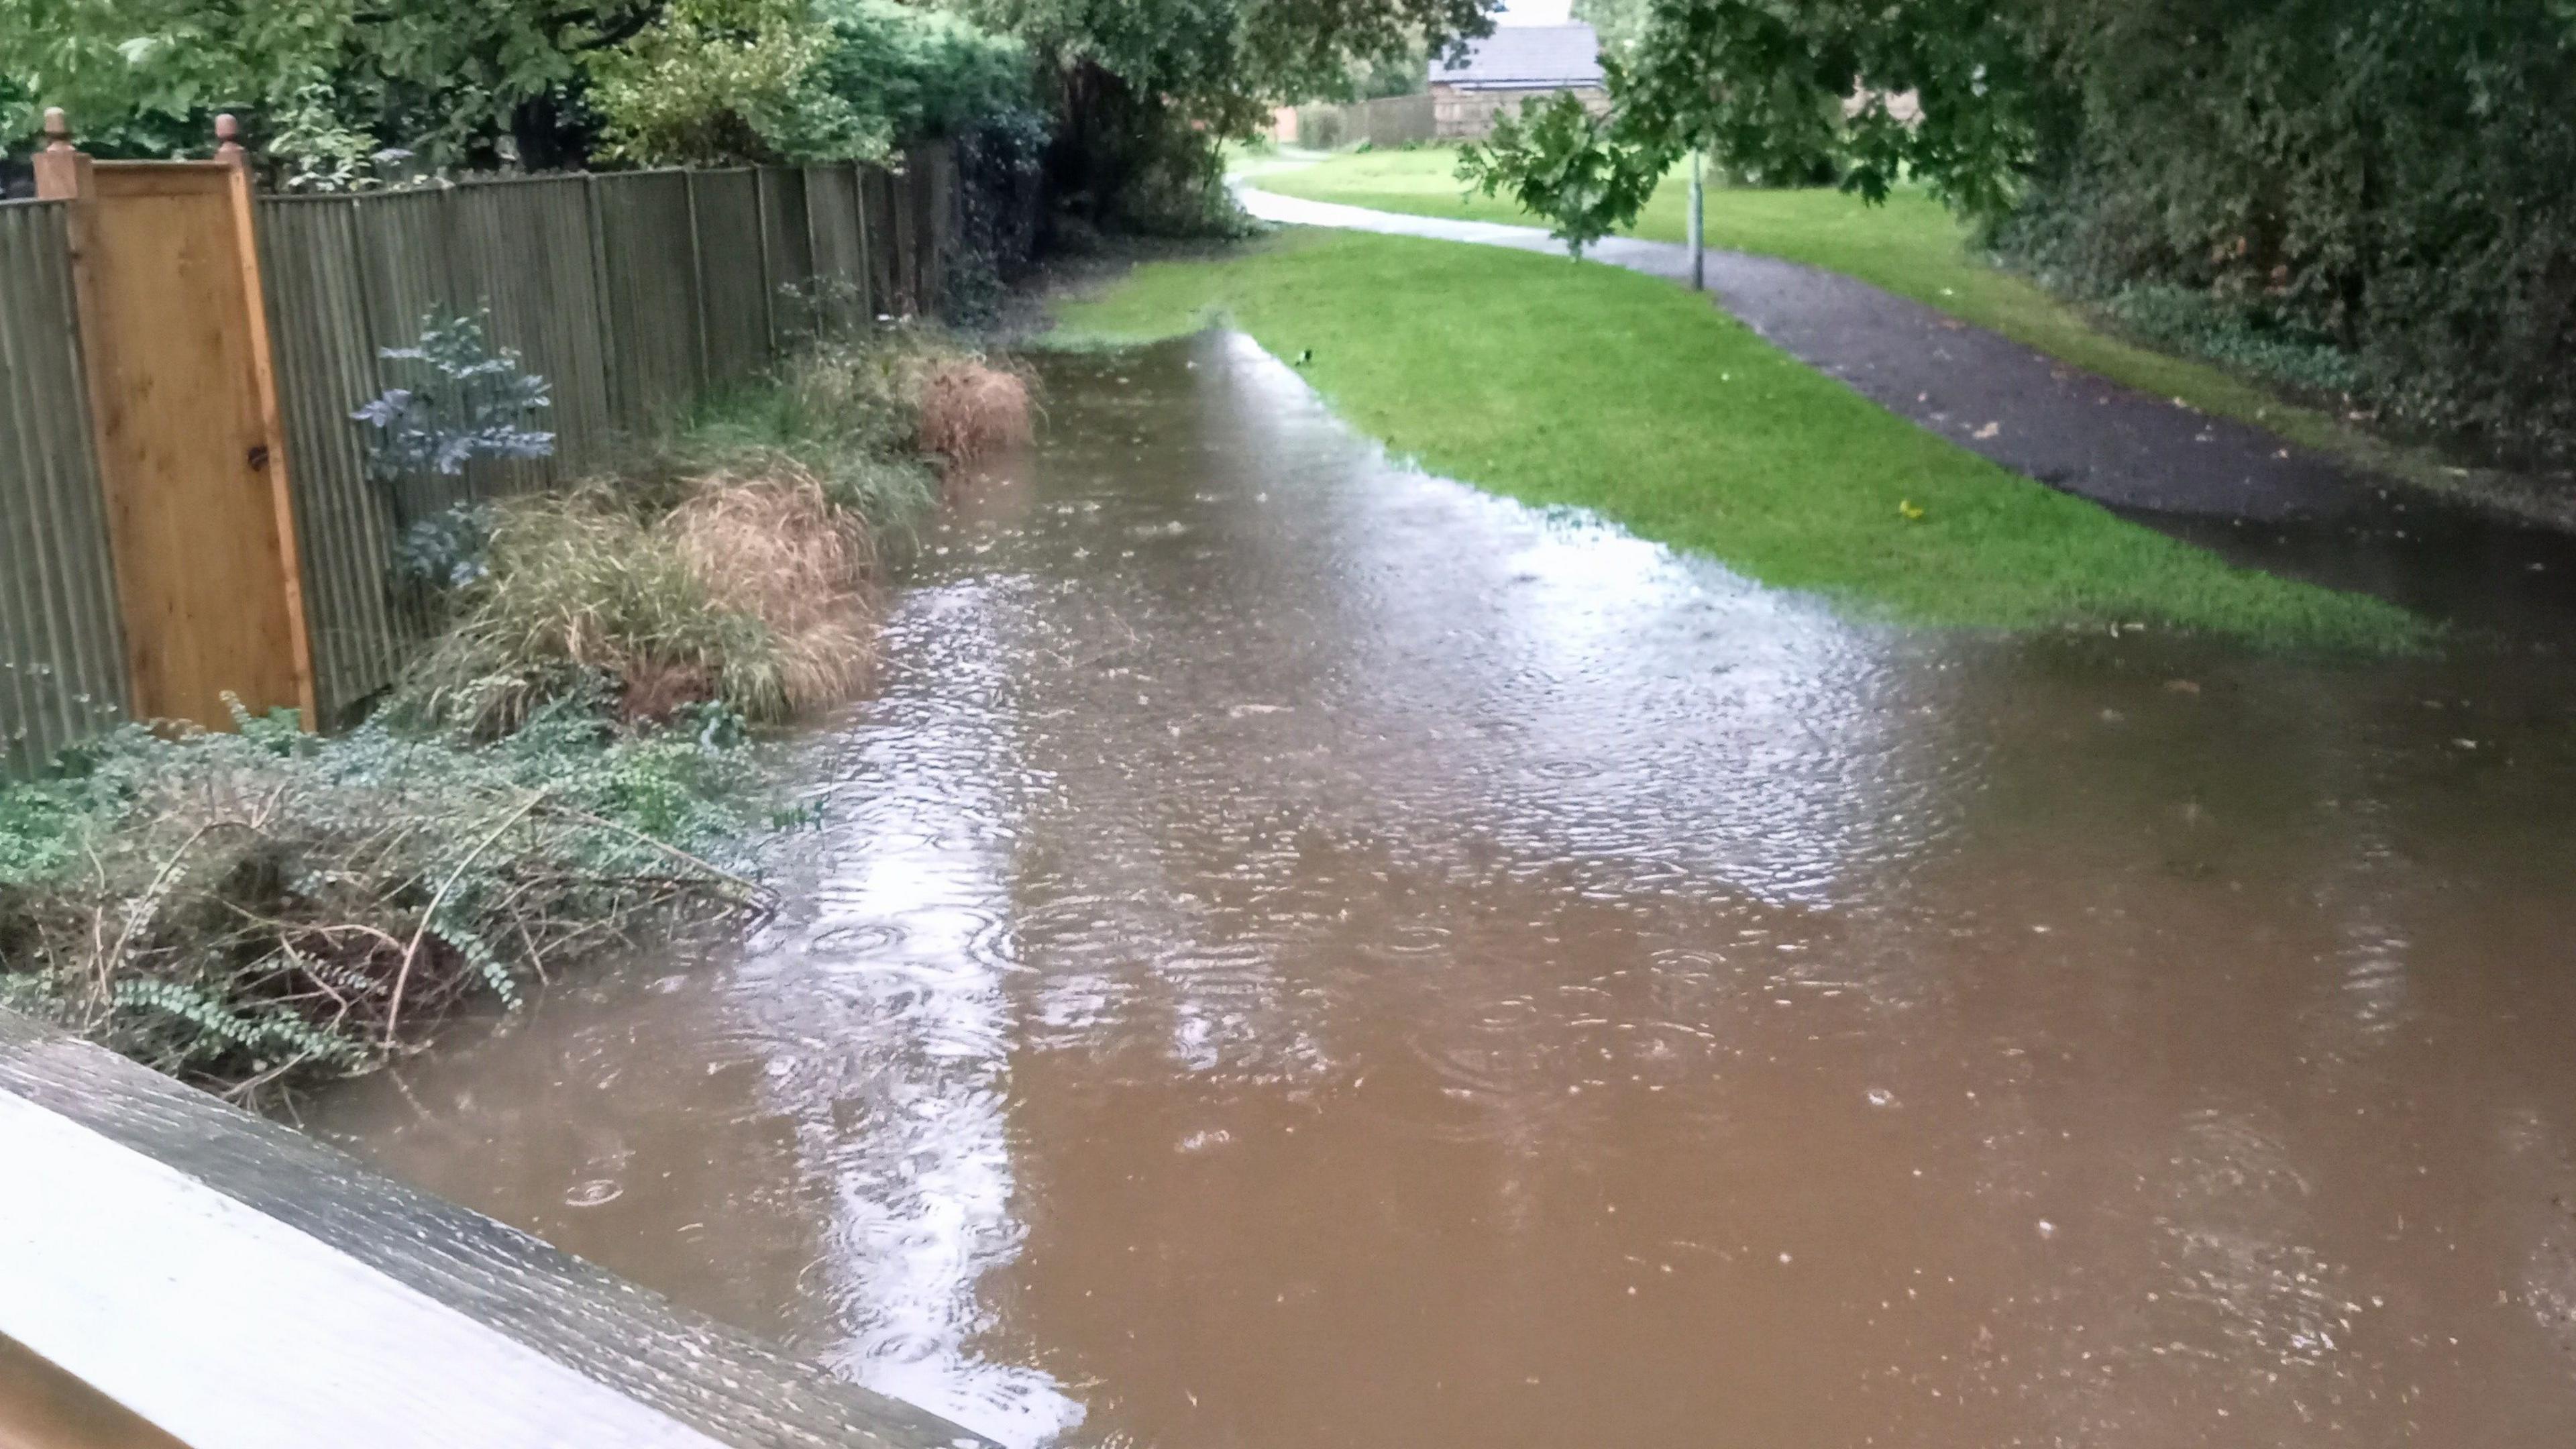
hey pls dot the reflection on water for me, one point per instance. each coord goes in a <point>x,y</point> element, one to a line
<point>1302,953</point>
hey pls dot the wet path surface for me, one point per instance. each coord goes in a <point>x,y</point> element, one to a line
<point>2223,484</point>
<point>1303,954</point>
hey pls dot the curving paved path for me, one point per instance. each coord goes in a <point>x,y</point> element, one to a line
<point>2222,483</point>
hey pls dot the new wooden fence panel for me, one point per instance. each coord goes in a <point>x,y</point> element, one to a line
<point>325,340</point>
<point>732,274</point>
<point>649,250</point>
<point>62,649</point>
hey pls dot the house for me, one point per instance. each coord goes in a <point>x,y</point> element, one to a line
<point>1516,63</point>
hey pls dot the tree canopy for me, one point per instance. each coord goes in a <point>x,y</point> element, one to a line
<point>1782,90</point>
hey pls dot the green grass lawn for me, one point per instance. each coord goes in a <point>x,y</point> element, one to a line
<point>1563,384</point>
<point>1911,246</point>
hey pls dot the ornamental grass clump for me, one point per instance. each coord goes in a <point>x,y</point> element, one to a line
<point>971,410</point>
<point>897,390</point>
<point>249,910</point>
<point>752,590</point>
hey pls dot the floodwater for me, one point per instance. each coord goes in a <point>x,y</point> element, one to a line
<point>1300,953</point>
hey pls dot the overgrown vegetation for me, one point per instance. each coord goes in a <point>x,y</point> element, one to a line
<point>733,568</point>
<point>718,81</point>
<point>1618,393</point>
<point>339,96</point>
<point>567,764</point>
<point>2381,178</point>
<point>242,910</point>
<point>1144,93</point>
<point>1135,98</point>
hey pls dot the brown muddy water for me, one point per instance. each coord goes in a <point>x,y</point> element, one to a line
<point>1299,953</point>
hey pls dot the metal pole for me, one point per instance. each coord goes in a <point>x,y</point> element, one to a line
<point>1698,233</point>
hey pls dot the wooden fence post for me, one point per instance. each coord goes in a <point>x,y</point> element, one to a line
<point>62,173</point>
<point>272,421</point>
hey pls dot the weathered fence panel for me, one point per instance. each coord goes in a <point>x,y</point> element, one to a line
<point>651,255</point>
<point>877,224</point>
<point>325,336</point>
<point>633,295</point>
<point>732,273</point>
<point>839,246</point>
<point>524,254</point>
<point>62,646</point>
<point>787,253</point>
<point>1388,121</point>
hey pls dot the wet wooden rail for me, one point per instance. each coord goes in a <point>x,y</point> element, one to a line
<point>168,1261</point>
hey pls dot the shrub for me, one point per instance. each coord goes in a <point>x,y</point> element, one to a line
<point>248,910</point>
<point>2390,177</point>
<point>2248,339</point>
<point>769,544</point>
<point>736,566</point>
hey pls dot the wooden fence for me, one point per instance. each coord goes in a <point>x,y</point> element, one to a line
<point>1388,121</point>
<point>633,294</point>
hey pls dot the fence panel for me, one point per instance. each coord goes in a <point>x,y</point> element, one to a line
<point>877,220</point>
<point>937,169</point>
<point>731,274</point>
<point>840,251</point>
<point>62,650</point>
<point>524,251</point>
<point>787,253</point>
<point>1388,121</point>
<point>324,339</point>
<point>650,255</point>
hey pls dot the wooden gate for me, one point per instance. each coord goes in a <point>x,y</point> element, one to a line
<point>174,334</point>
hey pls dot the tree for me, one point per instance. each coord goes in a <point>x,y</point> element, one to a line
<point>456,82</point>
<point>1142,90</point>
<point>721,81</point>
<point>1783,88</point>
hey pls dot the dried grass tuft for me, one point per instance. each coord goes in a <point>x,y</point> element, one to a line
<point>971,410</point>
<point>772,547</point>
<point>752,591</point>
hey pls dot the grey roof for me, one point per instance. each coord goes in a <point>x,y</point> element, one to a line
<point>1528,55</point>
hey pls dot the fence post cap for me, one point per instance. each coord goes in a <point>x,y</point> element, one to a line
<point>227,137</point>
<point>58,129</point>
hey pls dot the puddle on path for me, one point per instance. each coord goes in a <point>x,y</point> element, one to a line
<point>1304,954</point>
